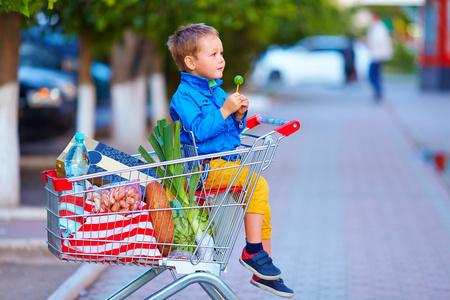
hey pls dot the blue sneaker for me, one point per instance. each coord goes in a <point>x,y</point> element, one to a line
<point>260,264</point>
<point>276,287</point>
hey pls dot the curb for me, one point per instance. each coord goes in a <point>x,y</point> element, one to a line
<point>22,244</point>
<point>36,161</point>
<point>11,249</point>
<point>23,213</point>
<point>26,252</point>
<point>83,277</point>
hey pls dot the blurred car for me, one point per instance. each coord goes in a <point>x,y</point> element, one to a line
<point>309,62</point>
<point>47,96</point>
<point>291,66</point>
<point>356,54</point>
<point>47,77</point>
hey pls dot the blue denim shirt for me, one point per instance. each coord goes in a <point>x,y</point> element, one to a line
<point>197,106</point>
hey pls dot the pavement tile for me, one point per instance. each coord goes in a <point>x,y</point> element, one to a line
<point>356,211</point>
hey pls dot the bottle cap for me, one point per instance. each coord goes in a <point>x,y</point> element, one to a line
<point>79,136</point>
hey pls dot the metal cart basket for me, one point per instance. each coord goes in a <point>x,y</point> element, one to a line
<point>168,215</point>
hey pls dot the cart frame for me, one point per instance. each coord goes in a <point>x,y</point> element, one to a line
<point>226,210</point>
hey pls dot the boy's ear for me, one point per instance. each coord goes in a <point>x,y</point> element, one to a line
<point>189,62</point>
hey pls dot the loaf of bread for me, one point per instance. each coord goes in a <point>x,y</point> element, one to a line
<point>156,198</point>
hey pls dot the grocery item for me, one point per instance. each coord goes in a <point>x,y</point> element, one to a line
<point>111,237</point>
<point>181,254</point>
<point>156,199</point>
<point>123,199</point>
<point>106,158</point>
<point>189,225</point>
<point>77,160</point>
<point>71,212</point>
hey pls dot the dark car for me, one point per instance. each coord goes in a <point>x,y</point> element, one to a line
<point>47,97</point>
<point>47,77</point>
<point>47,102</point>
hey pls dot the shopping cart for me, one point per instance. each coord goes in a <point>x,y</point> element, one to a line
<point>185,225</point>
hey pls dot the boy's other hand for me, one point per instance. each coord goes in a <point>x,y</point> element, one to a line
<point>239,115</point>
<point>232,104</point>
<point>244,104</point>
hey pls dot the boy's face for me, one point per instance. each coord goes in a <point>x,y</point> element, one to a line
<point>209,62</point>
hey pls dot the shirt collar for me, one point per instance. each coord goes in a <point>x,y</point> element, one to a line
<point>199,82</point>
<point>212,83</point>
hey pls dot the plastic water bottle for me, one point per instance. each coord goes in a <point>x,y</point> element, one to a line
<point>76,163</point>
<point>77,160</point>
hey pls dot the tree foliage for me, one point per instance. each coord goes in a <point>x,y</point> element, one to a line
<point>24,7</point>
<point>246,26</point>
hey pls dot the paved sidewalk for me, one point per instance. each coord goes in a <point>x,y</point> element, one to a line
<point>357,213</point>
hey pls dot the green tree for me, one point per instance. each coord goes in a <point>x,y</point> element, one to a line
<point>248,27</point>
<point>135,32</point>
<point>115,28</point>
<point>84,19</point>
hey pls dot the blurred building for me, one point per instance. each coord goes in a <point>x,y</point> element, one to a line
<point>435,56</point>
<point>430,30</point>
<point>382,2</point>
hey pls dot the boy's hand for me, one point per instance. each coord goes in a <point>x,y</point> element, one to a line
<point>232,104</point>
<point>239,115</point>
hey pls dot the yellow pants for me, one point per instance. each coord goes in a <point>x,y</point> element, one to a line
<point>259,201</point>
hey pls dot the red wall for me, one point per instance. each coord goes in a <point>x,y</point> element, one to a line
<point>436,50</point>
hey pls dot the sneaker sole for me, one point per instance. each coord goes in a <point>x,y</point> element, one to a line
<point>271,290</point>
<point>275,277</point>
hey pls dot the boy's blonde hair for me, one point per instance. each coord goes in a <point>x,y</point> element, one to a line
<point>184,42</point>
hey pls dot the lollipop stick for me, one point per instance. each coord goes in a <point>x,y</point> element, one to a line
<point>237,88</point>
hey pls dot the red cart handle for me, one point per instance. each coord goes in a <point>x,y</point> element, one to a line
<point>286,128</point>
<point>59,184</point>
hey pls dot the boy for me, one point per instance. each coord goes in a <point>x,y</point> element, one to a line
<point>216,120</point>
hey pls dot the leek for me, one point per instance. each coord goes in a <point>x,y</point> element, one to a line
<point>189,225</point>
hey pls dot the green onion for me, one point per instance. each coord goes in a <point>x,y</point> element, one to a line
<point>168,147</point>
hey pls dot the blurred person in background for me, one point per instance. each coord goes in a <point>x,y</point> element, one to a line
<point>379,43</point>
<point>349,54</point>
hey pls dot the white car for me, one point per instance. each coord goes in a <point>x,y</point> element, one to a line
<point>305,63</point>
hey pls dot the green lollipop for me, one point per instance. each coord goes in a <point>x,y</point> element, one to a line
<point>238,80</point>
